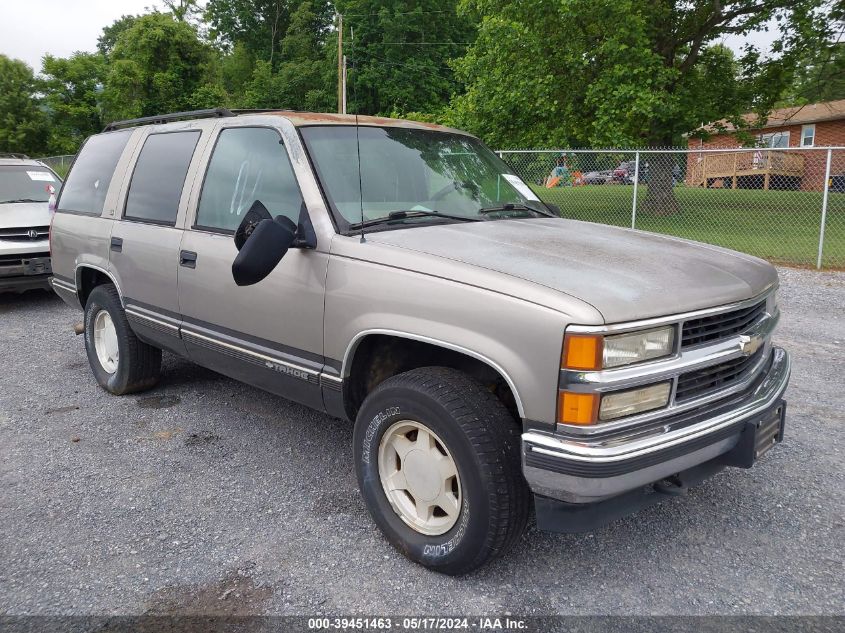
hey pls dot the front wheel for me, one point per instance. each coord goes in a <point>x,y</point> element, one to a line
<point>438,463</point>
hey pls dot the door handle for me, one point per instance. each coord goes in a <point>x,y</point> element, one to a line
<point>117,244</point>
<point>188,259</point>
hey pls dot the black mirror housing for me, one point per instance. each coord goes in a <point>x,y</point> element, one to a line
<point>256,213</point>
<point>263,250</point>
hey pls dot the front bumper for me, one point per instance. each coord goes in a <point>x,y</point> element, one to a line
<point>584,470</point>
<point>24,266</point>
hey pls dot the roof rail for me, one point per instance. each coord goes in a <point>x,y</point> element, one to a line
<point>14,155</point>
<point>166,118</point>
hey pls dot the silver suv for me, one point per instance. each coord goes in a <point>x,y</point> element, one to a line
<point>26,187</point>
<point>401,276</point>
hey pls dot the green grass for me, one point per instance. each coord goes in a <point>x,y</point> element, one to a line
<point>781,226</point>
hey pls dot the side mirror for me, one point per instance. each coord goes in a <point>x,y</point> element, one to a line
<point>263,250</point>
<point>554,208</point>
<point>256,213</point>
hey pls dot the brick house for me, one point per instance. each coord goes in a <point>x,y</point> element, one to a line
<point>809,126</point>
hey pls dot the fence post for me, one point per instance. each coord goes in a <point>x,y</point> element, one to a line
<point>636,185</point>
<point>824,207</point>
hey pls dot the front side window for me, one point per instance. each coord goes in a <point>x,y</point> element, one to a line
<point>26,183</point>
<point>419,172</point>
<point>87,184</point>
<point>248,165</point>
<point>159,176</point>
<point>808,135</point>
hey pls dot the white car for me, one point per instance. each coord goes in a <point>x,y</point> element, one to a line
<point>26,187</point>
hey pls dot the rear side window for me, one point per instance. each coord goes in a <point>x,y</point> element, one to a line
<point>86,186</point>
<point>248,165</point>
<point>156,185</point>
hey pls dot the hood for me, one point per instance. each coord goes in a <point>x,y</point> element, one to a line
<point>24,215</point>
<point>625,274</point>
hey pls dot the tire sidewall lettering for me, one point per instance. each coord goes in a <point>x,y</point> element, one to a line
<point>373,430</point>
<point>417,545</point>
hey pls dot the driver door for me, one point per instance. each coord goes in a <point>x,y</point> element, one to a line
<point>269,334</point>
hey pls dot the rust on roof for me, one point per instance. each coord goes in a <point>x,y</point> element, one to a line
<point>330,118</point>
<point>795,115</point>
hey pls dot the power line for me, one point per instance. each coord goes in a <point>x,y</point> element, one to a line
<point>357,63</point>
<point>364,15</point>
<point>376,43</point>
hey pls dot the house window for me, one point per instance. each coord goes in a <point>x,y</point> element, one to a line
<point>774,140</point>
<point>808,135</point>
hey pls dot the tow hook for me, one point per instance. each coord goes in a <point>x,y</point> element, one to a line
<point>78,328</point>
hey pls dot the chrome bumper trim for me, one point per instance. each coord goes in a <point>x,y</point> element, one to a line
<point>618,450</point>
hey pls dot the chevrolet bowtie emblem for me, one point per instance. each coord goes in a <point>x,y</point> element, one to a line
<point>749,344</point>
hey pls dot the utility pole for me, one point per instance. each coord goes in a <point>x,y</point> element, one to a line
<point>340,69</point>
<point>343,87</point>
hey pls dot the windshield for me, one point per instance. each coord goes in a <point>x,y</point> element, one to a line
<point>414,171</point>
<point>26,183</point>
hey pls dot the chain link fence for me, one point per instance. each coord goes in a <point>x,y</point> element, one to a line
<point>59,164</point>
<point>786,205</point>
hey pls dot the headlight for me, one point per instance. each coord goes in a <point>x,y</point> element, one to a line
<point>617,405</point>
<point>636,347</point>
<point>590,408</point>
<point>595,351</point>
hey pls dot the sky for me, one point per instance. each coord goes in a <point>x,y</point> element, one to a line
<point>31,28</point>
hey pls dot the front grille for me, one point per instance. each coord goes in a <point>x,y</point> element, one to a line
<point>702,382</point>
<point>22,234</point>
<point>719,326</point>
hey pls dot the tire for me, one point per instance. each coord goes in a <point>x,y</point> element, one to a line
<point>137,365</point>
<point>475,430</point>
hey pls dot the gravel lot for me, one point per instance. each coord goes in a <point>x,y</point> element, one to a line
<point>208,496</point>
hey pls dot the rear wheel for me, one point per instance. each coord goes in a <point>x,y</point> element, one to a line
<point>120,361</point>
<point>438,463</point>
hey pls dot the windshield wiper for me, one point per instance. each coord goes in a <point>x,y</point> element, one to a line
<point>20,200</point>
<point>403,215</point>
<point>513,206</point>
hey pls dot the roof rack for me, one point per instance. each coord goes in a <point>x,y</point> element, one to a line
<point>14,155</point>
<point>166,118</point>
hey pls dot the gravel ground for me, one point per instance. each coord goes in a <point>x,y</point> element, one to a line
<point>208,496</point>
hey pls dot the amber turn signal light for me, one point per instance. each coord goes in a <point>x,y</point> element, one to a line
<point>582,351</point>
<point>577,408</point>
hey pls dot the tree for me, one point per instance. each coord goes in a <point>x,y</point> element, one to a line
<point>182,10</point>
<point>157,65</point>
<point>106,41</point>
<point>258,25</point>
<point>400,56</point>
<point>625,72</point>
<point>302,77</point>
<point>71,89</point>
<point>820,77</point>
<point>23,125</point>
<point>236,69</point>
<point>307,72</point>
